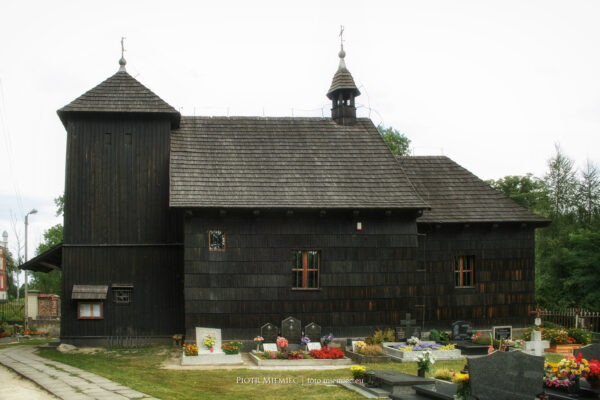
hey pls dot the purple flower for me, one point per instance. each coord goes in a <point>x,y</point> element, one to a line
<point>328,338</point>
<point>305,339</point>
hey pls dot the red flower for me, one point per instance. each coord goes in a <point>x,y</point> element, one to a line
<point>327,352</point>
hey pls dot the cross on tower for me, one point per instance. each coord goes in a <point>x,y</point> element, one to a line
<point>342,36</point>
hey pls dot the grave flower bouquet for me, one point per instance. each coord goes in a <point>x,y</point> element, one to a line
<point>258,340</point>
<point>566,373</point>
<point>413,340</point>
<point>425,360</point>
<point>282,342</point>
<point>572,367</point>
<point>190,350</point>
<point>232,347</point>
<point>327,352</point>
<point>327,339</point>
<point>360,345</point>
<point>358,371</point>
<point>463,391</point>
<point>305,340</point>
<point>209,342</point>
<point>295,355</point>
<point>594,375</point>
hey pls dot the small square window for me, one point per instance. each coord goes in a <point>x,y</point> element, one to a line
<point>90,310</point>
<point>122,295</point>
<point>216,240</point>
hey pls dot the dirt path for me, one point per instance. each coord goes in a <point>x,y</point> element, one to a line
<point>14,387</point>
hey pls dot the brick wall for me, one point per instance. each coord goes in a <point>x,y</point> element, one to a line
<point>48,305</point>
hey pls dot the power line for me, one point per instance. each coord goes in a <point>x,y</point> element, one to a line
<point>10,155</point>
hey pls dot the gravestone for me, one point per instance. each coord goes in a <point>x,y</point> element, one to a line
<point>394,382</point>
<point>506,375</point>
<point>462,330</point>
<point>589,352</point>
<point>313,346</point>
<point>269,332</point>
<point>406,330</point>
<point>201,333</point>
<point>502,332</point>
<point>414,331</point>
<point>313,331</point>
<point>269,347</point>
<point>291,329</point>
<point>536,345</point>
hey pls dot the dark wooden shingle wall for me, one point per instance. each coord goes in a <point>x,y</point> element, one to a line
<point>366,277</point>
<point>118,226</point>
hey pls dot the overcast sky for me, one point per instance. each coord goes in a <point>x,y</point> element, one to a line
<point>491,84</point>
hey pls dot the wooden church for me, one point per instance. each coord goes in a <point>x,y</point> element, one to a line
<point>173,222</point>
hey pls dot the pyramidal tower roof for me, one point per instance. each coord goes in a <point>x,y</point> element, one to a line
<point>342,80</point>
<point>121,93</point>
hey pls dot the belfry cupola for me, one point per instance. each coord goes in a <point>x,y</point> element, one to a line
<point>342,92</point>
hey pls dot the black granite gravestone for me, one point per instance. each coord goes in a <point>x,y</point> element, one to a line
<point>439,390</point>
<point>506,375</point>
<point>269,332</point>
<point>589,352</point>
<point>462,330</point>
<point>313,332</point>
<point>502,332</point>
<point>291,329</point>
<point>395,382</point>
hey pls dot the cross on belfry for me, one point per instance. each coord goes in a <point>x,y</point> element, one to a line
<point>122,46</point>
<point>342,36</point>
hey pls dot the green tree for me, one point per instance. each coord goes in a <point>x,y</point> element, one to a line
<point>578,263</point>
<point>588,194</point>
<point>52,237</point>
<point>527,190</point>
<point>561,181</point>
<point>50,282</point>
<point>11,268</point>
<point>398,143</point>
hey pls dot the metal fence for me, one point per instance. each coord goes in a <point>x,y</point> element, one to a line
<point>12,311</point>
<point>573,317</point>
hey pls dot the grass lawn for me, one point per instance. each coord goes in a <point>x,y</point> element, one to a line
<point>29,342</point>
<point>140,370</point>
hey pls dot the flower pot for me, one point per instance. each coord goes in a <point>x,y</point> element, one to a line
<point>211,349</point>
<point>595,384</point>
<point>421,373</point>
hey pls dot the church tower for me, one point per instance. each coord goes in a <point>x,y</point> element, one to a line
<point>342,92</point>
<point>122,248</point>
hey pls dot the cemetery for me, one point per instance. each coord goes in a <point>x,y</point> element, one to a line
<point>293,347</point>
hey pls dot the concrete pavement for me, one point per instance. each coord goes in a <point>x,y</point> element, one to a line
<point>64,381</point>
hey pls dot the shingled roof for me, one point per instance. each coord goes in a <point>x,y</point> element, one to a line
<point>285,163</point>
<point>121,93</point>
<point>457,196</point>
<point>342,80</point>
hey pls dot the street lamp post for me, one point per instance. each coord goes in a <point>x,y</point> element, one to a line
<point>33,211</point>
